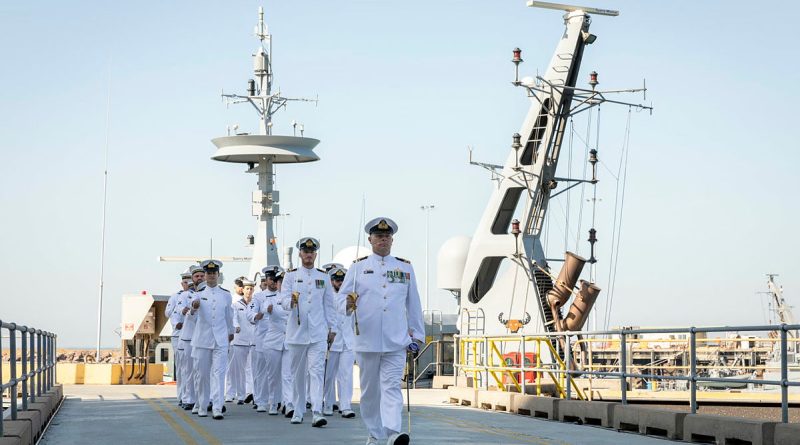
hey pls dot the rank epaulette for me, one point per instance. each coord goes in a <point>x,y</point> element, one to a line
<point>292,270</point>
<point>321,270</point>
<point>403,260</point>
<point>361,259</point>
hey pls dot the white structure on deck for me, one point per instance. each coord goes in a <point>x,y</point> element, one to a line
<point>260,152</point>
<point>501,275</point>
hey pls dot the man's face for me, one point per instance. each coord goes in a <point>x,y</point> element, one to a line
<point>280,283</point>
<point>271,284</point>
<point>381,243</point>
<point>336,284</point>
<point>307,257</point>
<point>263,284</point>
<point>211,278</point>
<point>198,277</point>
<point>185,284</point>
<point>238,289</point>
<point>247,292</point>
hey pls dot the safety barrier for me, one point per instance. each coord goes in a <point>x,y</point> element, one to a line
<point>477,356</point>
<point>35,356</point>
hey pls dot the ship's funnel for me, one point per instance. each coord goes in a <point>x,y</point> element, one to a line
<point>573,265</point>
<point>581,306</point>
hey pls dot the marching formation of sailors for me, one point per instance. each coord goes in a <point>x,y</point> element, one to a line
<point>290,345</point>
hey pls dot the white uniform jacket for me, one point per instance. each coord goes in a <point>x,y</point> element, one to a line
<point>388,308</point>
<point>261,326</point>
<point>317,318</point>
<point>174,310</point>
<point>189,319</point>
<point>275,338</point>
<point>214,318</point>
<point>344,328</point>
<point>245,335</point>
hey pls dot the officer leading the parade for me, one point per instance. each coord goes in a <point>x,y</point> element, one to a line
<point>381,293</point>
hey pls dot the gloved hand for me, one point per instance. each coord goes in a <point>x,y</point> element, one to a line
<point>413,347</point>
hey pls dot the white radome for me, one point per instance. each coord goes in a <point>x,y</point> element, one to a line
<point>450,262</point>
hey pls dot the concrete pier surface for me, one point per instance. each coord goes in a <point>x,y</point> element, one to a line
<point>121,415</point>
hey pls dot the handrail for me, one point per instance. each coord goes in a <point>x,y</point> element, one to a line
<point>38,365</point>
<point>480,362</point>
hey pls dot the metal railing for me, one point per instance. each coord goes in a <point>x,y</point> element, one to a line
<point>37,357</point>
<point>561,343</point>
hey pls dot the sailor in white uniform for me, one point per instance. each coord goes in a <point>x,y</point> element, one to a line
<point>175,315</point>
<point>274,345</point>
<point>236,295</point>
<point>339,353</point>
<point>308,296</point>
<point>189,377</point>
<point>257,314</point>
<point>240,372</point>
<point>381,293</point>
<point>213,333</point>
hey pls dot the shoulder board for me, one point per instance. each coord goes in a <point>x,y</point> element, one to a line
<point>321,270</point>
<point>226,290</point>
<point>292,270</point>
<point>361,259</point>
<point>403,260</point>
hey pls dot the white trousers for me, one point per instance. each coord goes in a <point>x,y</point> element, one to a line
<point>308,360</point>
<point>187,381</point>
<point>210,369</point>
<point>274,380</point>
<point>344,379</point>
<point>229,381</point>
<point>176,366</point>
<point>287,384</point>
<point>381,397</point>
<point>259,377</point>
<point>329,396</point>
<point>240,376</point>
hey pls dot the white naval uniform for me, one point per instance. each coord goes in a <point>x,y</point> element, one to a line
<point>274,347</point>
<point>240,373</point>
<point>173,312</point>
<point>340,362</point>
<point>259,334</point>
<point>389,315</point>
<point>307,341</point>
<point>210,345</point>
<point>188,375</point>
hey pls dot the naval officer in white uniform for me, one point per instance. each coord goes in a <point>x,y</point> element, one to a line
<point>213,333</point>
<point>339,370</point>
<point>174,313</point>
<point>381,293</point>
<point>308,296</point>
<point>188,375</point>
<point>240,373</point>
<point>257,314</point>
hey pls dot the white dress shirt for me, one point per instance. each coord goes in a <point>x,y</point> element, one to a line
<point>317,318</point>
<point>388,308</point>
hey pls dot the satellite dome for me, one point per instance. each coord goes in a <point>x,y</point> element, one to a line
<point>451,261</point>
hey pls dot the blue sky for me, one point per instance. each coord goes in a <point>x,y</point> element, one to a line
<point>404,89</point>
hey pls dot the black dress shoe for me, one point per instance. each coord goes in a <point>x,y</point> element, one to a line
<point>210,407</point>
<point>224,409</point>
<point>218,417</point>
<point>240,402</point>
<point>289,414</point>
<point>336,407</point>
<point>308,405</point>
<point>255,406</point>
<point>188,406</point>
<point>283,409</point>
<point>248,399</point>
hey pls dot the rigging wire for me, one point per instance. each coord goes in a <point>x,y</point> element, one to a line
<point>568,192</point>
<point>583,185</point>
<point>618,226</point>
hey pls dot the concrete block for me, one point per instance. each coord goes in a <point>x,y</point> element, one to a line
<point>102,374</point>
<point>18,429</point>
<point>443,381</point>
<point>649,421</point>
<point>59,390</point>
<point>787,434</point>
<point>590,413</point>
<point>72,373</point>
<point>10,441</point>
<point>463,396</point>
<point>536,406</point>
<point>42,408</point>
<point>35,418</point>
<point>728,430</point>
<point>496,400</point>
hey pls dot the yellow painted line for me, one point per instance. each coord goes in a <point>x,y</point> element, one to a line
<point>195,426</point>
<point>478,427</point>
<point>182,433</point>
